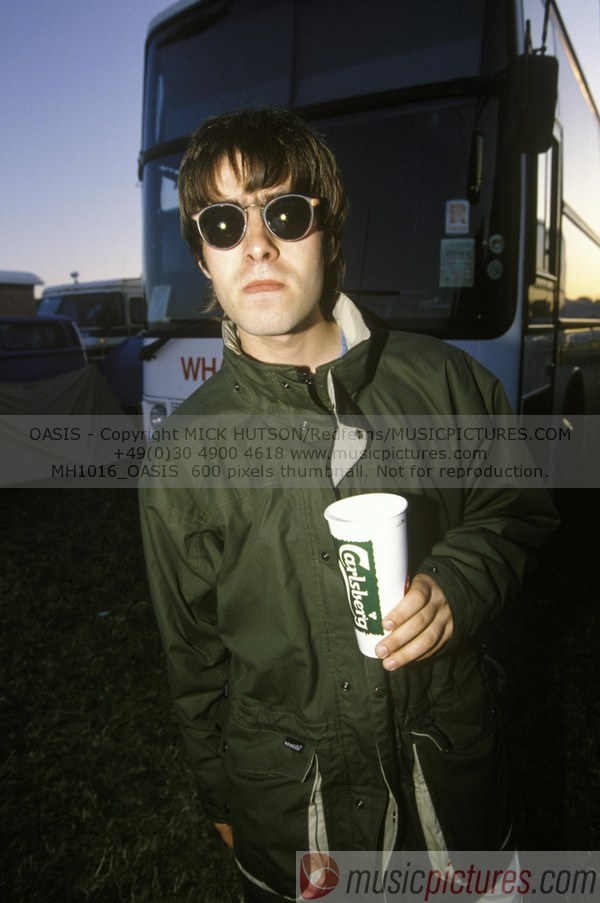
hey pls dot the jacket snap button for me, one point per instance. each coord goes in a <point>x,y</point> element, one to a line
<point>380,692</point>
<point>360,804</point>
<point>325,556</point>
<point>345,686</point>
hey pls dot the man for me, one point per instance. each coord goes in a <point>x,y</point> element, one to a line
<point>301,742</point>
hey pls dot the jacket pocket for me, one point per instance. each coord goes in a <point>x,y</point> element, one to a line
<point>261,751</point>
<point>275,802</point>
<point>459,774</point>
<point>460,723</point>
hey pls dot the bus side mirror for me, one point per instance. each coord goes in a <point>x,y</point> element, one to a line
<point>533,87</point>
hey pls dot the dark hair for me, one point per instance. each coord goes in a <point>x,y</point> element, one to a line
<point>268,146</point>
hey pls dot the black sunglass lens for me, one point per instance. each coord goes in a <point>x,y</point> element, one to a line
<point>222,225</point>
<point>289,218</point>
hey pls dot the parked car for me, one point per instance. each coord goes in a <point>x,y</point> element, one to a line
<point>34,348</point>
<point>106,312</point>
<point>122,369</point>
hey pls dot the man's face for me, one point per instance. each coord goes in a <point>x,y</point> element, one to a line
<point>268,287</point>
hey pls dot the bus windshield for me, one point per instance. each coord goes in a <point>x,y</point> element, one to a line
<point>417,239</point>
<point>221,55</point>
<point>426,242</point>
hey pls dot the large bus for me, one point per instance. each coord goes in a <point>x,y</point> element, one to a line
<point>472,168</point>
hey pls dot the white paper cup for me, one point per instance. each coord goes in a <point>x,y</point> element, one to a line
<point>369,532</point>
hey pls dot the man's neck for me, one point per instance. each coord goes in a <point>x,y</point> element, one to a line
<point>307,349</point>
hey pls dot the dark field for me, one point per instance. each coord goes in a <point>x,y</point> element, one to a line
<point>98,800</point>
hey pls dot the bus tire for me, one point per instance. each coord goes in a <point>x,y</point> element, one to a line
<point>574,398</point>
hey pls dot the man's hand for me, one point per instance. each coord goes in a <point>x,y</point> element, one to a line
<point>420,625</point>
<point>225,832</point>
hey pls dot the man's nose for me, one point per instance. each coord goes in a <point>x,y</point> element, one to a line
<point>258,241</point>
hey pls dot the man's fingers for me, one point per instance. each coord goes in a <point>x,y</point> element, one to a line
<point>425,644</point>
<point>409,629</point>
<point>413,602</point>
<point>419,625</point>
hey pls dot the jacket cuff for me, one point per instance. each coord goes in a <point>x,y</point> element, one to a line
<point>467,616</point>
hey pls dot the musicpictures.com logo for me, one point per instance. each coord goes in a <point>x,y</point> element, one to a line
<point>490,876</point>
<point>319,875</point>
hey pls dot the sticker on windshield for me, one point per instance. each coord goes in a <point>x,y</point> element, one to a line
<point>457,262</point>
<point>457,217</point>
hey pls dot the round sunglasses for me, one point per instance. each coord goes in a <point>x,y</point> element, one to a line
<point>289,217</point>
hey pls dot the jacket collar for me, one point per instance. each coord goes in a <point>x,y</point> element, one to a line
<point>333,388</point>
<point>345,314</point>
<point>351,369</point>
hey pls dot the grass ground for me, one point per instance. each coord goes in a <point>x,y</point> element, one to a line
<point>98,799</point>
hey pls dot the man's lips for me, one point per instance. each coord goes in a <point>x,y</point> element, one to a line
<point>262,285</point>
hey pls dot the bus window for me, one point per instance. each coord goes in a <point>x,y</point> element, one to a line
<point>231,74</point>
<point>581,273</point>
<point>410,44</point>
<point>547,212</point>
<point>581,150</point>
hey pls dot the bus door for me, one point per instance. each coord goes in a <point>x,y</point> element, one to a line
<point>542,271</point>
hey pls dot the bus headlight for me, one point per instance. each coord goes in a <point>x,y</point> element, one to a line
<point>158,413</point>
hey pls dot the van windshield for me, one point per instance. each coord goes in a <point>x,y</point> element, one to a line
<point>95,310</point>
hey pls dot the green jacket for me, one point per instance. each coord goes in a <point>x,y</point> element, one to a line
<point>299,741</point>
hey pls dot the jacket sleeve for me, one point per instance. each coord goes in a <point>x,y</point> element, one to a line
<point>482,559</point>
<point>480,564</point>
<point>182,563</point>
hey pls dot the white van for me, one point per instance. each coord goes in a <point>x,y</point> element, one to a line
<point>106,313</point>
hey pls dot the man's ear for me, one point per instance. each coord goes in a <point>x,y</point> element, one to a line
<point>202,266</point>
<point>330,251</point>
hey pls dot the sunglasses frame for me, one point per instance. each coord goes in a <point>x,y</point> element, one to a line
<point>312,202</point>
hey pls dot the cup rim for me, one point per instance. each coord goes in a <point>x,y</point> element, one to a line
<point>335,511</point>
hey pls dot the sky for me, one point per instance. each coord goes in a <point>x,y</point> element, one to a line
<point>71,74</point>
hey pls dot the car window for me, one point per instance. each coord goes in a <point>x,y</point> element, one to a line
<point>33,336</point>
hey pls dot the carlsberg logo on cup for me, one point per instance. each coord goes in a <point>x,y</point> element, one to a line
<point>369,532</point>
<point>358,570</point>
